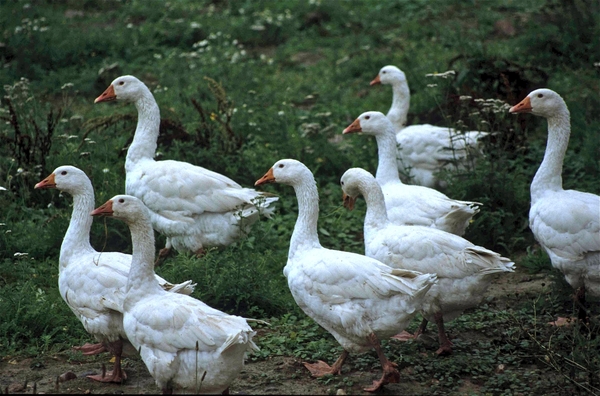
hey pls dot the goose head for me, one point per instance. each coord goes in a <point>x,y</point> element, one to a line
<point>65,178</point>
<point>126,88</point>
<point>389,75</point>
<point>542,102</point>
<point>371,123</point>
<point>351,185</point>
<point>123,207</point>
<point>286,171</point>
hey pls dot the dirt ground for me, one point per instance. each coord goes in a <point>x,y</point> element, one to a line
<point>279,375</point>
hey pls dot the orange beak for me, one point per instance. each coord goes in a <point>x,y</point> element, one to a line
<point>523,106</point>
<point>267,178</point>
<point>107,95</point>
<point>376,81</point>
<point>348,201</point>
<point>47,182</point>
<point>354,127</point>
<point>104,210</point>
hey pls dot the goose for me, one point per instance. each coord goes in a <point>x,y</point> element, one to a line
<point>566,223</point>
<point>425,149</point>
<point>357,299</point>
<point>186,345</point>
<point>464,270</point>
<point>409,204</point>
<point>193,207</point>
<point>93,283</point>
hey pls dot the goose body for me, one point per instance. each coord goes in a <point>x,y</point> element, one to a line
<point>186,345</point>
<point>93,283</point>
<point>464,270</point>
<point>409,204</point>
<point>357,299</point>
<point>425,149</point>
<point>566,223</point>
<point>193,207</point>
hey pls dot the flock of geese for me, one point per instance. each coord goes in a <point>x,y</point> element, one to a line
<point>415,257</point>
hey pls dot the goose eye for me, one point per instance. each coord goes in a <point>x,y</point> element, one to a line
<point>63,173</point>
<point>281,165</point>
<point>121,200</point>
<point>121,82</point>
<point>367,117</point>
<point>540,95</point>
<point>384,72</point>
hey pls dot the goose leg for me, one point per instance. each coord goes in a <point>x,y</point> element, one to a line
<point>405,335</point>
<point>321,368</point>
<point>445,343</point>
<point>91,349</point>
<point>580,301</point>
<point>117,374</point>
<point>390,372</point>
<point>163,253</point>
<point>579,298</point>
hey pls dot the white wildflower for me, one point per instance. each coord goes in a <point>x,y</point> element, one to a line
<point>445,74</point>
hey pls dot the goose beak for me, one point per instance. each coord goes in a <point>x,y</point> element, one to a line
<point>376,81</point>
<point>348,201</point>
<point>267,178</point>
<point>104,210</point>
<point>354,127</point>
<point>523,106</point>
<point>107,95</point>
<point>47,182</point>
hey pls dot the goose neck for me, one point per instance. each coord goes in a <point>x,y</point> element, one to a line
<point>305,234</point>
<point>387,168</point>
<point>376,216</point>
<point>549,174</point>
<point>77,237</point>
<point>141,280</point>
<point>400,103</point>
<point>145,138</point>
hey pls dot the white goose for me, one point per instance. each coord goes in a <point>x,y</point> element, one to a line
<point>93,283</point>
<point>464,270</point>
<point>185,344</point>
<point>566,223</point>
<point>357,299</point>
<point>425,149</point>
<point>192,206</point>
<point>409,204</point>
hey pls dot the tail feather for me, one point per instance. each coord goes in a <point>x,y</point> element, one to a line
<point>186,287</point>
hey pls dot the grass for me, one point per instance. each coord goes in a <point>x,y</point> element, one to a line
<point>243,84</point>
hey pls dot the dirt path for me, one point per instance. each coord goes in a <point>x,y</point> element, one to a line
<point>278,375</point>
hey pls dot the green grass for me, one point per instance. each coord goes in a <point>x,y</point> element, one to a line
<point>242,84</point>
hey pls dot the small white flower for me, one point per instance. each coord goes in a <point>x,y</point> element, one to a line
<point>105,170</point>
<point>129,25</point>
<point>445,74</point>
<point>281,113</point>
<point>195,25</point>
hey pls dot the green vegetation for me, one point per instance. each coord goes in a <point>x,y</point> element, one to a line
<point>242,84</point>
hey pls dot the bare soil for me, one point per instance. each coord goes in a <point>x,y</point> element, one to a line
<point>277,375</point>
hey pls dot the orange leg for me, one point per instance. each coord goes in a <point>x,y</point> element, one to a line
<point>321,368</point>
<point>117,374</point>
<point>406,336</point>
<point>445,343</point>
<point>390,372</point>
